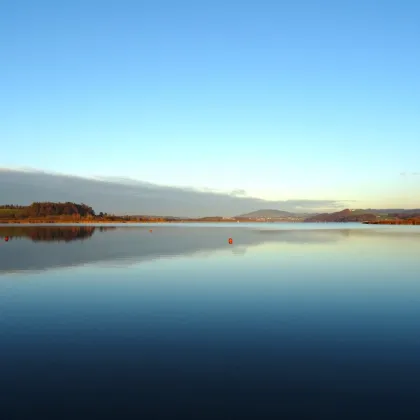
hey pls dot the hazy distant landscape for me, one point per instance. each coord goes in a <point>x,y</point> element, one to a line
<point>56,212</point>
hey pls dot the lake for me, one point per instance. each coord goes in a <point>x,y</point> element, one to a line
<point>172,321</point>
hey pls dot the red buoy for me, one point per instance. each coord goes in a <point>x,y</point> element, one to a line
<point>230,240</point>
<point>150,230</point>
<point>6,238</point>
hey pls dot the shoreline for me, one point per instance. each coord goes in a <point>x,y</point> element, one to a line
<point>392,222</point>
<point>99,222</point>
<point>28,222</point>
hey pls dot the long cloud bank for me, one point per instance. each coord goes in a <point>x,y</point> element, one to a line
<point>121,196</point>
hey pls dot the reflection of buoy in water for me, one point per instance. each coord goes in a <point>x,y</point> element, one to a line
<point>6,238</point>
<point>230,240</point>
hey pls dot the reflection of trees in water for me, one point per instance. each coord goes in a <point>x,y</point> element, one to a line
<point>105,228</point>
<point>49,234</point>
<point>66,234</point>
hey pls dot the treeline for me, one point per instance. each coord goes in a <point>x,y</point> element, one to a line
<point>11,207</point>
<point>58,209</point>
<point>405,216</point>
<point>47,209</point>
<point>51,212</point>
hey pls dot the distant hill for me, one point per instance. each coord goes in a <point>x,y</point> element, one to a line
<point>268,214</point>
<point>365,215</point>
<point>343,216</point>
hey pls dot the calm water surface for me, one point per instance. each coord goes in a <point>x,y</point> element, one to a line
<point>315,321</point>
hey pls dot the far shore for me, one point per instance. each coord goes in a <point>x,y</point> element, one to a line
<point>117,220</point>
<point>394,222</point>
<point>101,222</point>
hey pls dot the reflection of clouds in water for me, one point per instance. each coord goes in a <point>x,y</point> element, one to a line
<point>302,236</point>
<point>126,245</point>
<point>239,251</point>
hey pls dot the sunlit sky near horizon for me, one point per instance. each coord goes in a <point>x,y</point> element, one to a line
<point>282,99</point>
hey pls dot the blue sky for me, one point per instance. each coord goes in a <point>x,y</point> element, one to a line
<point>283,99</point>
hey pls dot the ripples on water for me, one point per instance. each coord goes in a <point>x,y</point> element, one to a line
<point>321,321</point>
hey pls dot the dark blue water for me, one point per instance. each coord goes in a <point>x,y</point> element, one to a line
<point>288,322</point>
